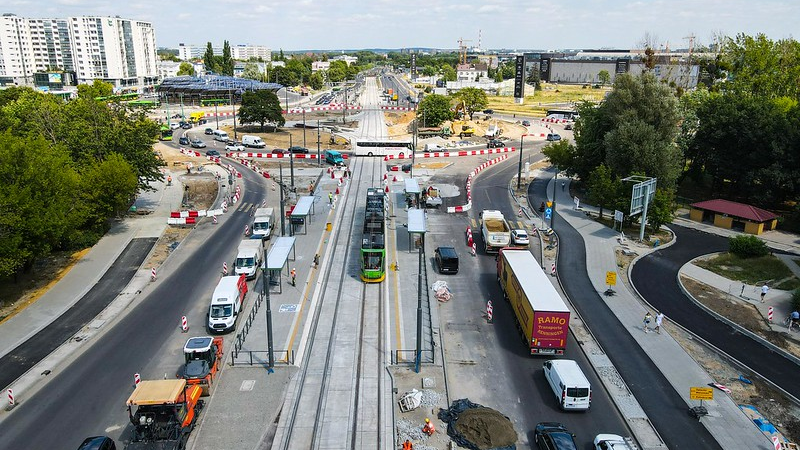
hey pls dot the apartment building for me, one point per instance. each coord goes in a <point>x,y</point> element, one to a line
<point>188,52</point>
<point>116,50</point>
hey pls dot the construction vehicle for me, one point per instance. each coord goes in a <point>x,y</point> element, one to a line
<point>163,414</point>
<point>424,132</point>
<point>495,230</point>
<point>463,129</point>
<point>195,117</point>
<point>432,197</point>
<point>203,358</point>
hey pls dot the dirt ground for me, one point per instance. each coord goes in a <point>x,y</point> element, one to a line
<point>770,403</point>
<point>399,126</point>
<point>280,138</point>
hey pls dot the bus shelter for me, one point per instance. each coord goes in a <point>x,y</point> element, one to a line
<point>417,227</point>
<point>277,259</point>
<point>412,191</point>
<point>302,212</point>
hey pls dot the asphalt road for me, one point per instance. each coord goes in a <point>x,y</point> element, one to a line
<point>510,359</point>
<point>18,361</point>
<point>665,408</point>
<point>87,397</point>
<point>655,277</point>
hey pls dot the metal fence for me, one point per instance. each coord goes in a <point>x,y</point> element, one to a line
<point>240,336</point>
<point>409,357</point>
<point>261,357</point>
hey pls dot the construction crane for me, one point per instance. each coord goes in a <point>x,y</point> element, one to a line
<point>462,50</point>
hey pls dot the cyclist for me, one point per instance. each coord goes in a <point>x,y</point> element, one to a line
<point>794,319</point>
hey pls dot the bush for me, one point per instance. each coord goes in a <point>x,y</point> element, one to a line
<point>747,246</point>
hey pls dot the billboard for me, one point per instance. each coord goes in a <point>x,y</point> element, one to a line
<point>54,78</point>
<point>519,78</point>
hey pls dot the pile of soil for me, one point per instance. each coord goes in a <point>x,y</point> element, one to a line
<point>486,428</point>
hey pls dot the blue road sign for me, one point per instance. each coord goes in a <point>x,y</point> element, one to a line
<point>548,212</point>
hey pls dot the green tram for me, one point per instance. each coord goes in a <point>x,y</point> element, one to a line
<point>166,133</point>
<point>373,242</point>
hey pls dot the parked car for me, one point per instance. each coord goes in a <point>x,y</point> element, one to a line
<point>174,125</point>
<point>297,149</point>
<point>613,442</point>
<point>488,111</point>
<point>186,125</point>
<point>526,123</point>
<point>233,146</point>
<point>197,143</point>
<point>183,140</point>
<point>495,143</point>
<point>568,126</point>
<point>553,436</point>
<point>279,151</point>
<point>553,137</point>
<point>446,259</point>
<point>212,152</point>
<point>98,443</point>
<point>209,131</point>
<point>520,237</point>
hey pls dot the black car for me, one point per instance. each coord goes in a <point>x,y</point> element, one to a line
<point>297,149</point>
<point>212,152</point>
<point>183,140</point>
<point>488,111</point>
<point>526,123</point>
<point>568,126</point>
<point>186,125</point>
<point>209,131</point>
<point>554,436</point>
<point>98,443</point>
<point>495,143</point>
<point>446,259</point>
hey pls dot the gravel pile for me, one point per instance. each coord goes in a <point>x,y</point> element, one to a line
<point>431,398</point>
<point>411,431</point>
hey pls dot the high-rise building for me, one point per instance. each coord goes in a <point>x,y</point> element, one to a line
<point>238,52</point>
<point>119,51</point>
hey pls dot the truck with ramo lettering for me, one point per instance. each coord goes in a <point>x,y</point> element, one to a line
<point>495,231</point>
<point>542,316</point>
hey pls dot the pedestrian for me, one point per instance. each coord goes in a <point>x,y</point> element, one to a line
<point>294,276</point>
<point>330,198</point>
<point>659,321</point>
<point>563,184</point>
<point>316,260</point>
<point>647,318</point>
<point>764,290</point>
<point>310,188</point>
<point>169,180</point>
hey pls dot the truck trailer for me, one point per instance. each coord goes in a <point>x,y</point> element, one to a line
<point>541,314</point>
<point>495,230</point>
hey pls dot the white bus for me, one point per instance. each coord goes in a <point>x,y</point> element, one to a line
<point>376,147</point>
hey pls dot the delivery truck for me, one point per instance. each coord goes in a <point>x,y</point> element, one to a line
<point>541,314</point>
<point>263,222</point>
<point>248,258</point>
<point>495,231</point>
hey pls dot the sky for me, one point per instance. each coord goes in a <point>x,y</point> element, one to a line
<point>394,24</point>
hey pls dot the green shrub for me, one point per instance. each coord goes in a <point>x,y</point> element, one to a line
<point>747,246</point>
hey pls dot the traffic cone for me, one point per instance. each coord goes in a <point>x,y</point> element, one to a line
<point>385,176</point>
<point>387,188</point>
<point>394,179</point>
<point>337,191</point>
<point>386,158</point>
<point>333,175</point>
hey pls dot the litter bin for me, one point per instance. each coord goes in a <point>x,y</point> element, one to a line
<point>328,226</point>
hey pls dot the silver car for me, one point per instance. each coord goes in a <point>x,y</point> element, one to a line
<point>520,237</point>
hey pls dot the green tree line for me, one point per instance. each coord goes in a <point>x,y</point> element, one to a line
<point>737,136</point>
<point>67,168</point>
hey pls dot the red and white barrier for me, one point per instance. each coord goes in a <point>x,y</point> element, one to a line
<point>474,249</point>
<point>457,153</point>
<point>247,230</point>
<point>184,324</point>
<point>11,398</point>
<point>214,219</point>
<point>153,274</point>
<point>330,107</point>
<point>224,268</point>
<point>489,311</point>
<point>776,443</point>
<point>182,221</point>
<point>240,155</point>
<point>396,108</point>
<point>553,270</point>
<point>137,379</point>
<point>549,120</point>
<point>769,314</point>
<point>469,237</point>
<point>475,172</point>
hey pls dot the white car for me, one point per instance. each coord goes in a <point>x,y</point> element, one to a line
<point>234,147</point>
<point>174,125</point>
<point>520,237</point>
<point>613,442</point>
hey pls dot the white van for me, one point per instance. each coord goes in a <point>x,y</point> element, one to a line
<point>220,135</point>
<point>226,303</point>
<point>433,147</point>
<point>569,384</point>
<point>252,141</point>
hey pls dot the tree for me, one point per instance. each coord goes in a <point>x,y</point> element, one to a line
<point>603,187</point>
<point>604,77</point>
<point>252,72</point>
<point>209,61</point>
<point>107,187</point>
<point>561,154</point>
<point>429,71</point>
<point>661,210</point>
<point>261,107</point>
<point>762,67</point>
<point>316,81</point>
<point>449,73</point>
<point>226,66</point>
<point>186,69</point>
<point>97,89</point>
<point>474,99</point>
<point>433,110</point>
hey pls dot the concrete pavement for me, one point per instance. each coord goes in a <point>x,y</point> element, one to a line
<point>729,426</point>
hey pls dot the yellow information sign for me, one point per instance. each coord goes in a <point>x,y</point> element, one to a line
<point>611,278</point>
<point>549,204</point>
<point>701,393</point>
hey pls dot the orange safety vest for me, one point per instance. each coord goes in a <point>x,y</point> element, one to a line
<point>407,446</point>
<point>428,428</point>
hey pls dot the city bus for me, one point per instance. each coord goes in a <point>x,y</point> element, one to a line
<point>376,147</point>
<point>213,101</point>
<point>566,114</point>
<point>166,133</point>
<point>144,103</point>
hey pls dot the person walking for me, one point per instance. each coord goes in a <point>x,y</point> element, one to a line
<point>310,188</point>
<point>647,319</point>
<point>764,290</point>
<point>659,321</point>
<point>316,260</point>
<point>294,276</point>
<point>330,198</point>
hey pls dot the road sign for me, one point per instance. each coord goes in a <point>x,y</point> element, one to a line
<point>548,212</point>
<point>611,278</point>
<point>549,204</point>
<point>701,393</point>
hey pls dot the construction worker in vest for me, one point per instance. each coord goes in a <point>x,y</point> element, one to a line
<point>428,428</point>
<point>169,180</point>
<point>294,276</point>
<point>407,445</point>
<point>330,198</point>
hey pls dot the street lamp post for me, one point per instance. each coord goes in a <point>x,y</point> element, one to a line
<point>283,214</point>
<point>519,171</point>
<point>230,97</point>
<point>291,162</point>
<point>319,162</point>
<point>216,113</point>
<point>304,127</point>
<point>265,287</point>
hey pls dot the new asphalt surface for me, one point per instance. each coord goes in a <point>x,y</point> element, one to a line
<point>26,355</point>
<point>663,405</point>
<point>655,277</point>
